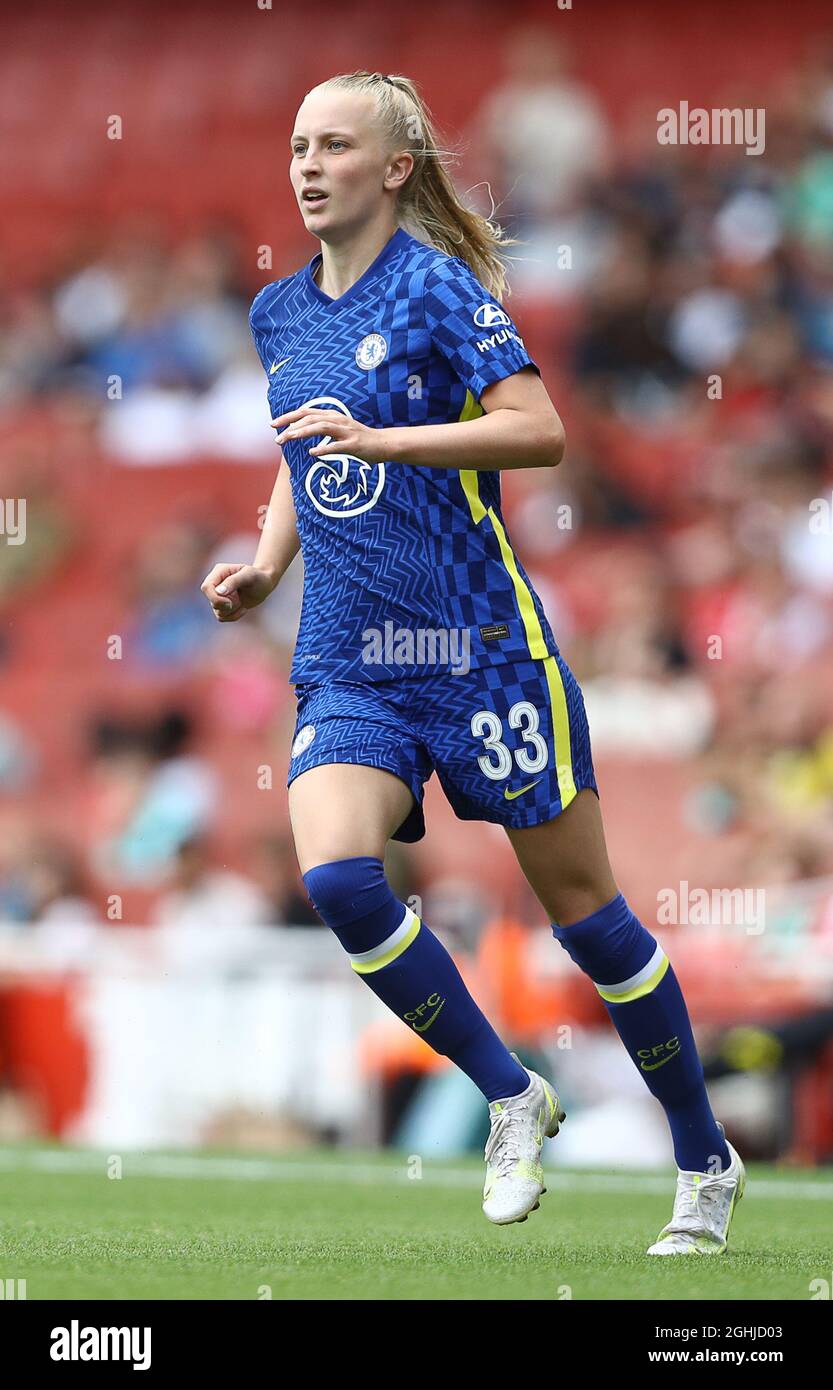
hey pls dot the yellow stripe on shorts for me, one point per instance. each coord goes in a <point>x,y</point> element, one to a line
<point>535,640</point>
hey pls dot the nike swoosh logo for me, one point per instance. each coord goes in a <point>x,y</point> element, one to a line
<point>276,366</point>
<point>421,1027</point>
<point>654,1065</point>
<point>510,796</point>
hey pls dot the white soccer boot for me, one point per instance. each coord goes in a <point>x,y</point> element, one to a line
<point>514,1176</point>
<point>703,1210</point>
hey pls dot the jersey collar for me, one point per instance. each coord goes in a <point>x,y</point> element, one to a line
<point>396,243</point>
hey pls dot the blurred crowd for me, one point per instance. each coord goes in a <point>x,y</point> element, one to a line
<point>686,294</point>
<point>679,301</point>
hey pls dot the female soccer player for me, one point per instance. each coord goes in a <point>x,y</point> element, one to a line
<point>400,388</point>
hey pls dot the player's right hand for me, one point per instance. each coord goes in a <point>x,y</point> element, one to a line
<point>233,589</point>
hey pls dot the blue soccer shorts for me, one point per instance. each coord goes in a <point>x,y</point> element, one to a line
<point>509,742</point>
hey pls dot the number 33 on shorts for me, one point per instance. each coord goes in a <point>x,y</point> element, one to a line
<point>528,746</point>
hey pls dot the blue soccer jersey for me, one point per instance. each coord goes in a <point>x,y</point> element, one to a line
<point>407,570</point>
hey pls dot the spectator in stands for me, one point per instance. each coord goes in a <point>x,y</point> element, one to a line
<point>64,920</point>
<point>202,895</point>
<point>162,795</point>
<point>171,628</point>
<point>546,130</point>
<point>210,917</point>
<point>280,880</point>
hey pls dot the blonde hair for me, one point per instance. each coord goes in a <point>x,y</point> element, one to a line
<point>428,201</point>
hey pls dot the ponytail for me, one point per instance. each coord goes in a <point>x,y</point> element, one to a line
<point>428,202</point>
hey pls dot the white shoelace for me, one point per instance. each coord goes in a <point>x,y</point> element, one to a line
<point>503,1133</point>
<point>697,1206</point>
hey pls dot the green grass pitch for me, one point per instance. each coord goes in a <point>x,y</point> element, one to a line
<point>326,1225</point>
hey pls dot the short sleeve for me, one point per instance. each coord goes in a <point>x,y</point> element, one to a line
<point>470,328</point>
<point>256,325</point>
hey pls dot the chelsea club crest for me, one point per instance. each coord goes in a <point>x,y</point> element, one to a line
<point>371,351</point>
<point>303,740</point>
<point>341,484</point>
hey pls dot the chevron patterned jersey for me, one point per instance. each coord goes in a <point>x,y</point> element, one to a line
<point>403,565</point>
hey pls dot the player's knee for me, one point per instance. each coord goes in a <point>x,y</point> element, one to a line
<point>609,944</point>
<point>574,900</point>
<point>354,899</point>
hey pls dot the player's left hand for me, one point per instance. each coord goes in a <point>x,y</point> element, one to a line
<point>345,436</point>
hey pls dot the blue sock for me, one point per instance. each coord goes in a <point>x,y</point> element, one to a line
<point>411,971</point>
<point>634,978</point>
